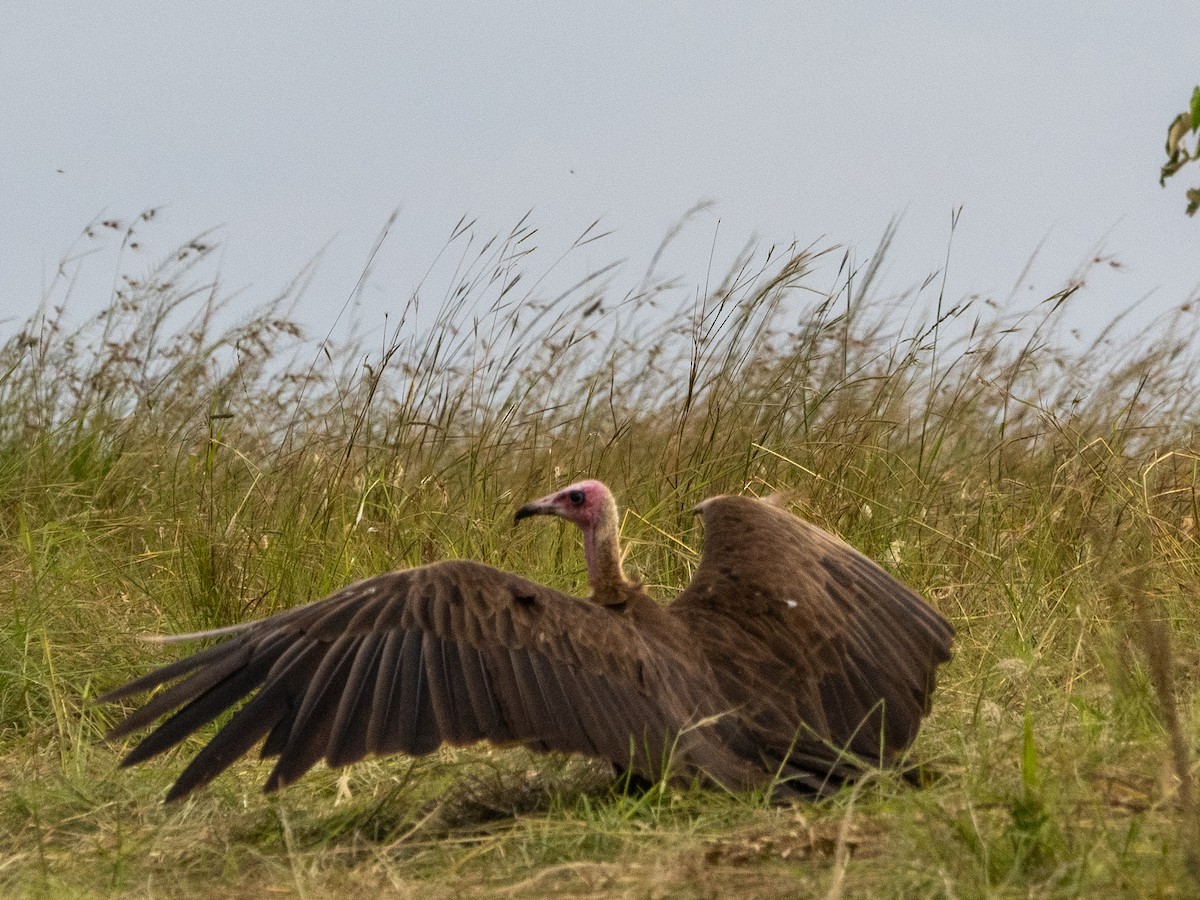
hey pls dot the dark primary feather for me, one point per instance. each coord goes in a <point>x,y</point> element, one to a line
<point>790,654</point>
<point>384,666</point>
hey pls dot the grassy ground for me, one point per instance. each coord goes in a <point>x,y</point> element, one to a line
<point>160,471</point>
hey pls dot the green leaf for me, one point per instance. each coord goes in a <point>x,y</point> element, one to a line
<point>1195,107</point>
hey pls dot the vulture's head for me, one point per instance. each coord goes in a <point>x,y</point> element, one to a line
<point>585,503</point>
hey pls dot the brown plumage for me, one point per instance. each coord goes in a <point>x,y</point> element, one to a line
<point>791,661</point>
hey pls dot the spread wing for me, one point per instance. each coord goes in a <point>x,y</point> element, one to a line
<point>814,641</point>
<point>453,652</point>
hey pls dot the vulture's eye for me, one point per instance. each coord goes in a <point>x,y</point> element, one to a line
<point>576,498</point>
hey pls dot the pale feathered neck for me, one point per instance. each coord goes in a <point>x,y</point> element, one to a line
<point>602,550</point>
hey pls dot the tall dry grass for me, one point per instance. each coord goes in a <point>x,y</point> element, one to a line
<point>167,466</point>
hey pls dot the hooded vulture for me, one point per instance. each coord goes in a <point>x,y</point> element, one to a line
<point>791,663</point>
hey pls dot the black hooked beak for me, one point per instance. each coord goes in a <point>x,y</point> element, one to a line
<point>536,508</point>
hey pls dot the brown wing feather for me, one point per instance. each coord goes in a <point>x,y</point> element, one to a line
<point>816,644</point>
<point>451,652</point>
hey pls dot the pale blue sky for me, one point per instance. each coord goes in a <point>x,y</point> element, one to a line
<point>293,125</point>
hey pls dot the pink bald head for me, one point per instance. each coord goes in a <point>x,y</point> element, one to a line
<point>583,503</point>
<point>590,505</point>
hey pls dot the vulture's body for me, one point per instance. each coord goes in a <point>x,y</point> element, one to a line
<point>790,661</point>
